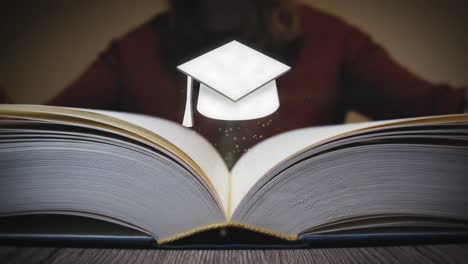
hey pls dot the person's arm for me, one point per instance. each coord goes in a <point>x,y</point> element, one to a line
<point>380,88</point>
<point>98,87</point>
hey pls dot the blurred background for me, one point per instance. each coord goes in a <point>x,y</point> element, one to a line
<point>46,44</point>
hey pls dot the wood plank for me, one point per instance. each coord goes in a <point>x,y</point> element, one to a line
<point>408,254</point>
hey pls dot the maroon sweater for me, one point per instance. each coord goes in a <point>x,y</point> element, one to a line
<point>338,69</point>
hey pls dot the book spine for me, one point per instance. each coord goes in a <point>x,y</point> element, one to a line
<point>87,241</point>
<point>390,239</point>
<point>307,241</point>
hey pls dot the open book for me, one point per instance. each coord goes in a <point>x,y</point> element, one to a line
<point>169,183</point>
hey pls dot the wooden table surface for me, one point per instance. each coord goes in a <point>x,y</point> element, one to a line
<point>455,253</point>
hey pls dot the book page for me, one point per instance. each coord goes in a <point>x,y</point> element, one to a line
<point>170,137</point>
<point>194,145</point>
<point>268,154</point>
<point>264,156</point>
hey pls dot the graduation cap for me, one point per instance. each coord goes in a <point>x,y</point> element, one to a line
<point>236,83</point>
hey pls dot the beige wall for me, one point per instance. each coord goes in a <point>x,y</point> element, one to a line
<point>45,45</point>
<point>50,42</point>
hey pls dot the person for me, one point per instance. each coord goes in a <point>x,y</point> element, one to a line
<point>335,68</point>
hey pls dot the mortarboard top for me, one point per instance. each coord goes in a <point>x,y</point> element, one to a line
<point>236,83</point>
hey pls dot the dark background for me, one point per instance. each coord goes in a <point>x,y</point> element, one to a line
<point>46,44</point>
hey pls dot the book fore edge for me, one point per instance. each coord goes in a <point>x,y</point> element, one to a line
<point>228,224</point>
<point>93,120</point>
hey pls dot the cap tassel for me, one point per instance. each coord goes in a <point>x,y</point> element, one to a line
<point>188,115</point>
